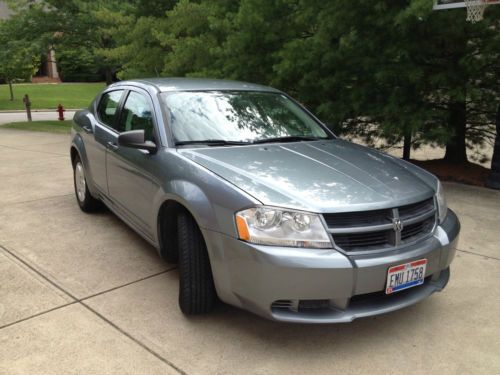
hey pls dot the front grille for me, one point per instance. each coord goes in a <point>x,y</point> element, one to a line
<point>414,230</point>
<point>351,219</point>
<point>379,229</point>
<point>415,209</point>
<point>368,239</point>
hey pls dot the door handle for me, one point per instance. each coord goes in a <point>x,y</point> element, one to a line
<point>112,145</point>
<point>87,129</point>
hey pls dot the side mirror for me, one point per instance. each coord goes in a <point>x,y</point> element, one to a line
<point>136,139</point>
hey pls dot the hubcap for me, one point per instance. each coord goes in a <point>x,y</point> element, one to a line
<point>80,182</point>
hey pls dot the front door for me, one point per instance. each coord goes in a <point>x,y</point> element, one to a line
<point>131,183</point>
<point>96,142</point>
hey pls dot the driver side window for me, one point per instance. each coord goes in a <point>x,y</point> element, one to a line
<point>136,115</point>
<point>108,107</point>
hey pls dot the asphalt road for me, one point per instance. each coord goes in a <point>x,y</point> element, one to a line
<point>6,117</point>
<point>82,293</point>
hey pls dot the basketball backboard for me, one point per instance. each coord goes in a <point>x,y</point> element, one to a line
<point>475,8</point>
<point>450,4</point>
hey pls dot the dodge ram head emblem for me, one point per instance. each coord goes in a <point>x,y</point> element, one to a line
<point>397,224</point>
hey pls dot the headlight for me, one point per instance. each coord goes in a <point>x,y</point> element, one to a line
<point>441,201</point>
<point>278,227</point>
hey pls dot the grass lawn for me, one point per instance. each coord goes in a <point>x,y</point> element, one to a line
<point>49,95</point>
<point>41,126</point>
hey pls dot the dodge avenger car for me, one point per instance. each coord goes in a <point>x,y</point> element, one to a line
<point>262,206</point>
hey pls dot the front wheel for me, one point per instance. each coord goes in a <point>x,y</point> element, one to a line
<point>85,200</point>
<point>196,287</point>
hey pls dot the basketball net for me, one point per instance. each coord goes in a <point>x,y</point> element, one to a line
<point>475,9</point>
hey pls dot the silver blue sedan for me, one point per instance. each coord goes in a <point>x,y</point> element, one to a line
<point>262,206</point>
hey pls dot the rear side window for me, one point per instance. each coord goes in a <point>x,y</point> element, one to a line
<point>108,107</point>
<point>136,115</point>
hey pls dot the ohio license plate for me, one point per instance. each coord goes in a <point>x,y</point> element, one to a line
<point>405,276</point>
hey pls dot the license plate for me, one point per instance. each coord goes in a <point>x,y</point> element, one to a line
<point>405,276</point>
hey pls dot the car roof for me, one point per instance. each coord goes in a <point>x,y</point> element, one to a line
<point>196,84</point>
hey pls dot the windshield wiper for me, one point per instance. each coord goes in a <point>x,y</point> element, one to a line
<point>291,138</point>
<point>212,142</point>
<point>222,142</point>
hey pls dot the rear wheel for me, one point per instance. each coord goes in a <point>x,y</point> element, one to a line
<point>196,288</point>
<point>85,200</point>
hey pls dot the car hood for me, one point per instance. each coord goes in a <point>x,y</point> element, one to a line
<point>318,176</point>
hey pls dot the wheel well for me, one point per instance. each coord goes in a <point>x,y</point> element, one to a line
<point>167,228</point>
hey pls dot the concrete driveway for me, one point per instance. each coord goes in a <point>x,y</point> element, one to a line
<point>83,294</point>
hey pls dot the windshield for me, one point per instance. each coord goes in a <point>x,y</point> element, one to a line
<point>237,116</point>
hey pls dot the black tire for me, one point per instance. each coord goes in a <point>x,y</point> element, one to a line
<point>85,200</point>
<point>169,245</point>
<point>196,287</point>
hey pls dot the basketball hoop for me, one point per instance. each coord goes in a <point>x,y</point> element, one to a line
<point>475,9</point>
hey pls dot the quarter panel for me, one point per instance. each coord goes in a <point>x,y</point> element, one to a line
<point>79,142</point>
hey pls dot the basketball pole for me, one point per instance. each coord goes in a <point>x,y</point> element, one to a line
<point>493,180</point>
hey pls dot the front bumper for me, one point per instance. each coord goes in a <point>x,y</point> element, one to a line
<point>270,281</point>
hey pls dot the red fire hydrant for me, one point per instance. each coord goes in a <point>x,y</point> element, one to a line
<point>61,110</point>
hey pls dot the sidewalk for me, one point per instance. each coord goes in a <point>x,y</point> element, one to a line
<point>37,115</point>
<point>36,110</point>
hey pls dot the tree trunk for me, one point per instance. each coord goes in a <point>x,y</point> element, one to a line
<point>456,150</point>
<point>11,90</point>
<point>109,76</point>
<point>407,145</point>
<point>494,177</point>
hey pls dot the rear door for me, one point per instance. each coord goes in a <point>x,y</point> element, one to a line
<point>103,128</point>
<point>131,182</point>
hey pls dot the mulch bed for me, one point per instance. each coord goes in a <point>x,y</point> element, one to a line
<point>465,173</point>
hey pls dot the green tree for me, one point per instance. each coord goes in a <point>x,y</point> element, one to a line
<point>256,33</point>
<point>78,64</point>
<point>18,58</point>
<point>78,25</point>
<point>394,69</point>
<point>192,35</point>
<point>378,69</point>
